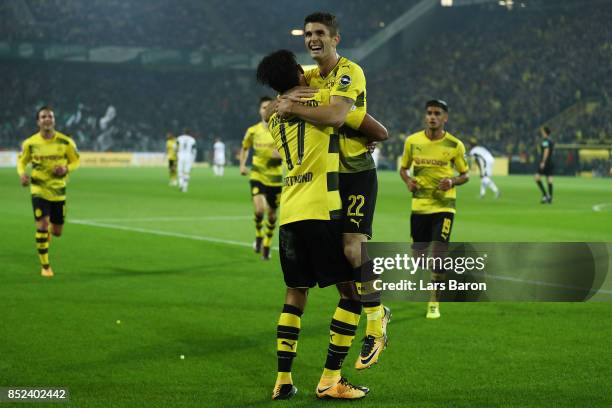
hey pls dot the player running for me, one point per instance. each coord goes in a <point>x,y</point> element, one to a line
<point>265,179</point>
<point>485,161</point>
<point>53,155</point>
<point>436,155</point>
<point>358,183</point>
<point>186,154</point>
<point>171,153</point>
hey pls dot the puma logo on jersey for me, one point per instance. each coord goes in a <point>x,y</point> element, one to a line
<point>356,222</point>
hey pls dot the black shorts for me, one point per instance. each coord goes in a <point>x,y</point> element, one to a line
<point>431,227</point>
<point>358,193</point>
<point>311,253</point>
<point>55,210</point>
<point>547,170</point>
<point>171,164</point>
<point>272,193</point>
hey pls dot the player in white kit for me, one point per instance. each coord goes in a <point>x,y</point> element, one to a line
<point>484,160</point>
<point>218,157</point>
<point>185,153</point>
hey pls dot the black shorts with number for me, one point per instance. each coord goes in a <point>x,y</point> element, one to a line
<point>311,253</point>
<point>272,193</point>
<point>548,169</point>
<point>358,193</point>
<point>55,210</point>
<point>431,227</point>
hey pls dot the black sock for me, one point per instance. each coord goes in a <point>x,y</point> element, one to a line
<point>541,187</point>
<point>550,190</point>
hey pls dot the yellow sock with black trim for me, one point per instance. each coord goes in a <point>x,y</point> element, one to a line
<point>287,333</point>
<point>42,245</point>
<point>258,226</point>
<point>374,314</point>
<point>269,232</point>
<point>370,298</point>
<point>341,334</point>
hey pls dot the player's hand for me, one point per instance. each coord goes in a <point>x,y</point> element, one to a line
<point>284,107</point>
<point>542,165</point>
<point>412,185</point>
<point>60,171</point>
<point>243,170</point>
<point>25,180</point>
<point>298,93</point>
<point>445,184</point>
<point>371,147</point>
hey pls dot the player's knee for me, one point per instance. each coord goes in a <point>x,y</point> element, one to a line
<point>296,297</point>
<point>272,216</point>
<point>352,253</point>
<point>56,232</point>
<point>347,290</point>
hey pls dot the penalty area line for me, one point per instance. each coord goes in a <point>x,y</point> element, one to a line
<point>163,233</point>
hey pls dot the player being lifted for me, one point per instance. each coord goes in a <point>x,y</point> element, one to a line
<point>186,154</point>
<point>171,153</point>
<point>485,161</point>
<point>53,155</point>
<point>265,179</point>
<point>358,182</point>
<point>310,234</point>
<point>435,154</point>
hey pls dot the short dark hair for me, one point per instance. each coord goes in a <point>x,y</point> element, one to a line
<point>43,108</point>
<point>327,19</point>
<point>438,103</point>
<point>546,130</point>
<point>279,70</point>
<point>264,98</point>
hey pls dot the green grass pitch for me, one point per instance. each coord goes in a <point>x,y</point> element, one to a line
<point>177,270</point>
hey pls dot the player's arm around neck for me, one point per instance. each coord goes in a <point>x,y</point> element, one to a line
<point>333,114</point>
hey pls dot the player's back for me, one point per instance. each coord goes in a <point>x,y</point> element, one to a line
<point>482,152</point>
<point>310,155</point>
<point>185,145</point>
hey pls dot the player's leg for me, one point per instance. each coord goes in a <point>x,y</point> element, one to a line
<point>172,171</point>
<point>549,180</point>
<point>538,180</point>
<point>187,174</point>
<point>42,211</point>
<point>491,184</point>
<point>57,217</point>
<point>442,224</point>
<point>259,207</point>
<point>221,169</point>
<point>298,276</point>
<point>272,200</point>
<point>483,186</point>
<point>181,172</point>
<point>325,241</point>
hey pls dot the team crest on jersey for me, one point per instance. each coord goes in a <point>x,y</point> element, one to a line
<point>345,80</point>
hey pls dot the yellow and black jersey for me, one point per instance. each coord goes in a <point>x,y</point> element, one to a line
<point>171,148</point>
<point>311,157</point>
<point>266,167</point>
<point>347,79</point>
<point>45,155</point>
<point>433,161</point>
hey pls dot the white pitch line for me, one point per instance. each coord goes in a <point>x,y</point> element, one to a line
<point>600,207</point>
<point>164,233</point>
<point>212,218</point>
<point>540,283</point>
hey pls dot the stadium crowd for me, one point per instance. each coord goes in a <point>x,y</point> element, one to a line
<point>503,73</point>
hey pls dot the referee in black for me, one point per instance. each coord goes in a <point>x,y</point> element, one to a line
<point>545,165</point>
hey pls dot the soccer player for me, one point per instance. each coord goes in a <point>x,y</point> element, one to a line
<point>545,165</point>
<point>53,156</point>
<point>358,181</point>
<point>265,179</point>
<point>186,154</point>
<point>436,155</point>
<point>171,153</point>
<point>484,160</point>
<point>218,157</point>
<point>310,235</point>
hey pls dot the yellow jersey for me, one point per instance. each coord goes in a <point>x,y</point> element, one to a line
<point>266,168</point>
<point>171,148</point>
<point>45,155</point>
<point>347,79</point>
<point>311,158</point>
<point>433,160</point>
